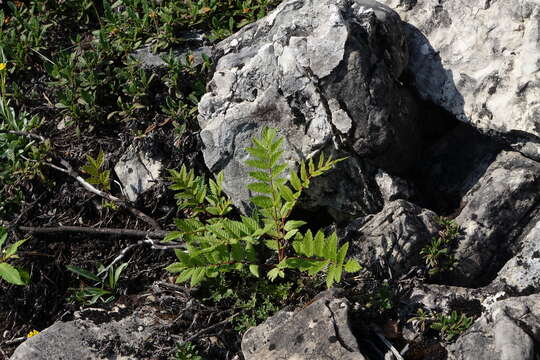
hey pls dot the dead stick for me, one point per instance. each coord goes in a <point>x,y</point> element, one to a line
<point>389,345</point>
<point>74,174</point>
<point>198,334</point>
<point>155,245</point>
<point>14,341</point>
<point>94,231</point>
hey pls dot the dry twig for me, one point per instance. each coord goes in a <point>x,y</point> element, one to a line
<point>199,333</point>
<point>74,174</point>
<point>94,231</point>
<point>154,244</point>
<point>390,347</point>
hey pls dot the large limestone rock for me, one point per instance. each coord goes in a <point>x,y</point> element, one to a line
<point>321,331</point>
<point>95,334</point>
<point>494,213</point>
<point>324,74</point>
<point>392,239</point>
<point>507,331</point>
<point>480,60</point>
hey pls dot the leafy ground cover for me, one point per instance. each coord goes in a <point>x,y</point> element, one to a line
<point>67,75</point>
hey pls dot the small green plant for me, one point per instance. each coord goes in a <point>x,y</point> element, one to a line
<point>20,156</point>
<point>24,36</point>
<point>382,298</point>
<point>265,301</point>
<point>254,302</point>
<point>195,194</point>
<point>78,77</point>
<point>8,272</point>
<point>183,98</point>
<point>448,326</point>
<point>108,288</point>
<point>451,326</point>
<point>268,239</point>
<point>98,176</point>
<point>437,254</point>
<point>136,82</point>
<point>188,351</point>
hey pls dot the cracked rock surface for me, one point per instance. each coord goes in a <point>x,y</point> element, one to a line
<point>507,331</point>
<point>480,60</point>
<point>324,74</point>
<point>522,272</point>
<point>393,238</point>
<point>494,213</point>
<point>319,331</point>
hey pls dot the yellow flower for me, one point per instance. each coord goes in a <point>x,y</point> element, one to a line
<point>2,66</point>
<point>32,333</point>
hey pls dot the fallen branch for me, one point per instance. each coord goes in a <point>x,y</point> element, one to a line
<point>94,231</point>
<point>74,174</point>
<point>14,341</point>
<point>155,245</point>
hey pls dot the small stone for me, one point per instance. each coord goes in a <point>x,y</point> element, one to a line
<point>394,237</point>
<point>138,172</point>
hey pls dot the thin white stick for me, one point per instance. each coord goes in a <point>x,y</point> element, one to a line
<point>390,346</point>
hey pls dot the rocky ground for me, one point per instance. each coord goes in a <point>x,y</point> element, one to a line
<point>433,104</point>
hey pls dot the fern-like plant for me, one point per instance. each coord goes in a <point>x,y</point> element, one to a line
<point>217,244</point>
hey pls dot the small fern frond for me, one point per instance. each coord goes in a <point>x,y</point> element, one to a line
<point>315,253</point>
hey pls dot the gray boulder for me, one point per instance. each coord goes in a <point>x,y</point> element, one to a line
<point>480,60</point>
<point>320,331</point>
<point>442,298</point>
<point>392,239</point>
<point>494,213</point>
<point>98,335</point>
<point>522,272</point>
<point>506,331</point>
<point>324,74</point>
